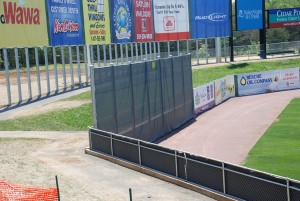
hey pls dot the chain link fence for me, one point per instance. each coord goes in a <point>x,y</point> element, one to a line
<point>227,179</point>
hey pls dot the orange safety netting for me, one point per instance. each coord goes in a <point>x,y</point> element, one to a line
<point>15,192</point>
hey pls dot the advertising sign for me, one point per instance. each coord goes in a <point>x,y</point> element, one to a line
<point>204,97</point>
<point>224,89</point>
<point>65,23</point>
<point>249,14</point>
<point>121,21</point>
<point>143,20</point>
<point>171,19</point>
<point>267,82</point>
<point>210,19</point>
<point>23,23</point>
<point>282,18</point>
<point>96,21</point>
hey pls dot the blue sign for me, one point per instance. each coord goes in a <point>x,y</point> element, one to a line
<point>249,14</point>
<point>122,21</point>
<point>65,22</point>
<point>210,18</point>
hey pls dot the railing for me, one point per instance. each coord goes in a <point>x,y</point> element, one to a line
<point>30,73</point>
<point>224,178</point>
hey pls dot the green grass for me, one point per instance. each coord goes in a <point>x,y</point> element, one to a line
<point>203,76</point>
<point>76,119</point>
<point>80,97</point>
<point>278,151</point>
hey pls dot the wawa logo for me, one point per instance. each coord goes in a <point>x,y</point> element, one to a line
<point>18,14</point>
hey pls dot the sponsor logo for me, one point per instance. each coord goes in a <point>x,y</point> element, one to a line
<point>169,23</point>
<point>215,17</point>
<point>250,14</point>
<point>254,79</point>
<point>65,26</point>
<point>19,14</point>
<point>122,20</point>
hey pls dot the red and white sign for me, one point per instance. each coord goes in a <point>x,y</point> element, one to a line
<point>171,19</point>
<point>143,20</point>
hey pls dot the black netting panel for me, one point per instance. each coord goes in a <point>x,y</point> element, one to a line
<point>124,150</point>
<point>248,188</point>
<point>295,194</point>
<point>156,160</point>
<point>168,94</point>
<point>100,143</point>
<point>124,100</point>
<point>155,100</point>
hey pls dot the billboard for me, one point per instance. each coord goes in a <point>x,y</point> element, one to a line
<point>224,89</point>
<point>143,20</point>
<point>249,15</point>
<point>65,22</point>
<point>281,18</point>
<point>171,19</point>
<point>210,19</point>
<point>267,82</point>
<point>23,23</point>
<point>121,21</point>
<point>96,21</point>
<point>204,97</point>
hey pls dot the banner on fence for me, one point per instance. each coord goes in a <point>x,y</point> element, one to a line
<point>96,21</point>
<point>249,15</point>
<point>204,97</point>
<point>65,23</point>
<point>224,89</point>
<point>171,19</point>
<point>281,18</point>
<point>267,82</point>
<point>122,21</point>
<point>210,19</point>
<point>143,20</point>
<point>23,23</point>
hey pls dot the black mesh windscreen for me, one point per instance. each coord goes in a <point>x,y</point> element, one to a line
<point>144,100</point>
<point>126,149</point>
<point>101,143</point>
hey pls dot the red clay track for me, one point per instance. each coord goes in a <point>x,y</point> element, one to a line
<point>229,131</point>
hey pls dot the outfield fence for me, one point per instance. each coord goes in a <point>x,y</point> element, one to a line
<point>223,178</point>
<point>30,73</point>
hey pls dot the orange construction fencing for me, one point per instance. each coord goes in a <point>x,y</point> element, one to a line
<point>15,192</point>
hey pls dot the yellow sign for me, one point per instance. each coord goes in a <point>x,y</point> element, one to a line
<point>23,23</point>
<point>96,21</point>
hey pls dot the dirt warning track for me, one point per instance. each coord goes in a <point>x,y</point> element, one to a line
<point>229,131</point>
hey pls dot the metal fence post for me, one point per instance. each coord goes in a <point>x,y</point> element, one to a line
<point>187,47</point>
<point>18,74</point>
<point>141,50</point>
<point>178,48</point>
<point>146,51</point>
<point>225,52</point>
<point>78,65</point>
<point>121,52</point>
<point>169,48</point>
<point>206,50</point>
<point>47,69</point>
<point>86,64</point>
<point>71,66</point>
<point>131,49</point>
<point>98,55</point>
<point>197,51</point>
<point>55,68</point>
<point>104,55</point>
<point>158,48</point>
<point>224,179</point>
<point>140,156</point>
<point>111,145</point>
<point>110,54</point>
<point>116,53</point>
<point>58,194</point>
<point>288,189</point>
<point>176,163</point>
<point>136,52</point>
<point>38,74</point>
<point>126,49</point>
<point>7,76</point>
<point>150,46</point>
<point>64,67</point>
<point>28,74</point>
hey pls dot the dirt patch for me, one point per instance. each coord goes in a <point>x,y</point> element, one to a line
<point>83,177</point>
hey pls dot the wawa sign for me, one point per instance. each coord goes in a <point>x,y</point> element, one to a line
<point>23,23</point>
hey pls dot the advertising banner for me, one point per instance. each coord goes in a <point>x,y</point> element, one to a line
<point>171,19</point>
<point>224,89</point>
<point>204,97</point>
<point>249,15</point>
<point>281,18</point>
<point>23,23</point>
<point>96,21</point>
<point>210,18</point>
<point>267,82</point>
<point>122,21</point>
<point>65,23</point>
<point>143,20</point>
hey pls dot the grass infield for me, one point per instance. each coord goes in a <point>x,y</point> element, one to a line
<point>278,150</point>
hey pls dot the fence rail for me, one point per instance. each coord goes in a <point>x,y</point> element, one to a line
<point>234,181</point>
<point>31,72</point>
